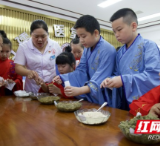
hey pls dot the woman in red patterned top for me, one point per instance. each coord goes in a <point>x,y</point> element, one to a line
<point>7,71</point>
<point>65,63</point>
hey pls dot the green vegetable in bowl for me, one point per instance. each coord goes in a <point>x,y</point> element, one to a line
<point>138,138</point>
<point>68,106</point>
<point>48,99</point>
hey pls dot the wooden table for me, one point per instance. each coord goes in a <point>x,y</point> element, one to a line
<point>26,122</point>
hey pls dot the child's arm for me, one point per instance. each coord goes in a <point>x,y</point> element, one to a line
<point>75,91</point>
<point>104,68</point>
<point>54,89</point>
<point>44,87</point>
<point>61,90</point>
<point>141,82</point>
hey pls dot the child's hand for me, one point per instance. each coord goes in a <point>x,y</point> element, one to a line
<point>115,82</point>
<point>71,91</point>
<point>10,81</point>
<point>54,89</point>
<point>57,79</point>
<point>155,110</point>
<point>2,83</point>
<point>105,82</point>
<point>39,81</point>
<point>32,74</point>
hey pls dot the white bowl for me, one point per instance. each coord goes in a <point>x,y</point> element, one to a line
<point>91,117</point>
<point>21,93</point>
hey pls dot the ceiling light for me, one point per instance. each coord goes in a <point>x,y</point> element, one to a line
<point>108,3</point>
<point>149,17</point>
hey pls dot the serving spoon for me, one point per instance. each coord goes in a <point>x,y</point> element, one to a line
<point>55,103</point>
<point>104,104</point>
<point>80,100</point>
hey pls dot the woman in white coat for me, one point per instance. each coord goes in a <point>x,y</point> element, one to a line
<point>36,57</point>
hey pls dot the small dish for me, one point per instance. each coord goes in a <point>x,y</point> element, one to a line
<point>68,106</point>
<point>91,117</point>
<point>21,93</point>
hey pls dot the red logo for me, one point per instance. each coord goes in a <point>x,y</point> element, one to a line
<point>147,127</point>
<point>53,51</point>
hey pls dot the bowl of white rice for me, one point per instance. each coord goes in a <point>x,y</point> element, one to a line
<point>91,117</point>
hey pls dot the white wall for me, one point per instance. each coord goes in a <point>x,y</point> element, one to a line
<point>152,33</point>
<point>66,14</point>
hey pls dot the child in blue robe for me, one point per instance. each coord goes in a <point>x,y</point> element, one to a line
<point>137,62</point>
<point>97,62</point>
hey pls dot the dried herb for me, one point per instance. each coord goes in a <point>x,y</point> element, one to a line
<point>143,138</point>
<point>68,106</point>
<point>49,99</point>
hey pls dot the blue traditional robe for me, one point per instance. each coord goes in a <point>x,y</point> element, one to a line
<point>139,68</point>
<point>95,65</point>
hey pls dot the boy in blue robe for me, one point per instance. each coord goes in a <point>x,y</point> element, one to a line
<point>97,62</point>
<point>137,62</point>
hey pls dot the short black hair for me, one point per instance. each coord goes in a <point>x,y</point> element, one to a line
<point>38,24</point>
<point>68,49</point>
<point>128,15</point>
<point>66,57</point>
<point>76,41</point>
<point>8,42</point>
<point>3,34</point>
<point>88,22</point>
